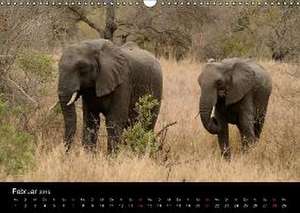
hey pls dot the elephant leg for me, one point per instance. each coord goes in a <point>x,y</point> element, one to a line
<point>91,124</point>
<point>261,104</point>
<point>246,121</point>
<point>246,128</point>
<point>260,119</point>
<point>117,118</point>
<point>114,132</point>
<point>258,125</point>
<point>223,139</point>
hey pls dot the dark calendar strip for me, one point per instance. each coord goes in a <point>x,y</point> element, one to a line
<point>174,197</point>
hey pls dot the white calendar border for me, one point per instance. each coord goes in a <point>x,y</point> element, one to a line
<point>178,3</point>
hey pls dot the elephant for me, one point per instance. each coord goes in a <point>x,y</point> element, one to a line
<point>110,79</point>
<point>234,91</point>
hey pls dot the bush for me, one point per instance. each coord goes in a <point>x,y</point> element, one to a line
<point>235,46</point>
<point>3,107</point>
<point>144,107</point>
<point>39,64</point>
<point>16,147</point>
<point>139,138</point>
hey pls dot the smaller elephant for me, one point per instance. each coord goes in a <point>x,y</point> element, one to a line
<point>234,91</point>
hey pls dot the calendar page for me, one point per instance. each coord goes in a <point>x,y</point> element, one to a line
<point>101,97</point>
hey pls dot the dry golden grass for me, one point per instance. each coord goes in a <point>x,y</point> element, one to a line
<point>194,154</point>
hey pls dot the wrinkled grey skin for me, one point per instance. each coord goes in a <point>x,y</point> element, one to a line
<point>109,79</point>
<point>238,90</point>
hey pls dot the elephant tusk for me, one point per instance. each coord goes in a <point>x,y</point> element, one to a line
<point>211,60</point>
<point>73,98</point>
<point>212,112</point>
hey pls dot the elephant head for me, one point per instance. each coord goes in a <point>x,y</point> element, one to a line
<point>225,82</point>
<point>95,65</point>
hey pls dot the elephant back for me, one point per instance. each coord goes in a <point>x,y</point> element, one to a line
<point>141,58</point>
<point>262,75</point>
<point>145,72</point>
<point>130,45</point>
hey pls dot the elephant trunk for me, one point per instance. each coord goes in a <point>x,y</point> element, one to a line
<point>68,93</point>
<point>210,123</point>
<point>70,120</point>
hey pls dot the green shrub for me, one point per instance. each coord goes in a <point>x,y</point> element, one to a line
<point>16,149</point>
<point>3,107</point>
<point>144,107</point>
<point>237,46</point>
<point>139,138</point>
<point>39,64</point>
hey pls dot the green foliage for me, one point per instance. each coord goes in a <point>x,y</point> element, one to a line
<point>16,147</point>
<point>8,111</point>
<point>241,24</point>
<point>144,108</point>
<point>3,107</point>
<point>258,32</point>
<point>139,138</point>
<point>235,46</point>
<point>39,64</point>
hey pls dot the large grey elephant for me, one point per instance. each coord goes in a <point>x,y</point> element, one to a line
<point>110,79</point>
<point>234,91</point>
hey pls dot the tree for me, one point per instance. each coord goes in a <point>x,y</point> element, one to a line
<point>110,24</point>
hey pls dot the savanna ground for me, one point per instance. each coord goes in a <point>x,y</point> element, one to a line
<point>194,153</point>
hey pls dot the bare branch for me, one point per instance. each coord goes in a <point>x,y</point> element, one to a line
<point>23,92</point>
<point>83,18</point>
<point>53,106</point>
<point>165,128</point>
<point>110,25</point>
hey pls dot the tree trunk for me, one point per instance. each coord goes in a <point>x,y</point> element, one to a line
<point>110,25</point>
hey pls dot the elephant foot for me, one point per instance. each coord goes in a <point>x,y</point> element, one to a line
<point>67,147</point>
<point>245,148</point>
<point>112,151</point>
<point>248,143</point>
<point>112,146</point>
<point>248,146</point>
<point>90,148</point>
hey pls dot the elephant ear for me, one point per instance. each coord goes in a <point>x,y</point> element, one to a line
<point>112,67</point>
<point>241,80</point>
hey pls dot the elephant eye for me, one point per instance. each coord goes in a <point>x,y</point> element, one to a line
<point>83,71</point>
<point>220,83</point>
